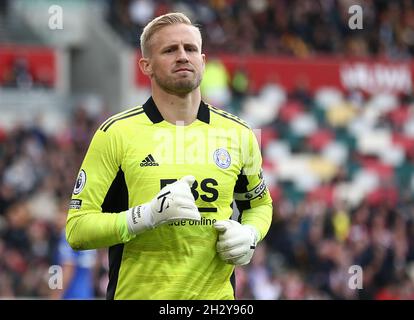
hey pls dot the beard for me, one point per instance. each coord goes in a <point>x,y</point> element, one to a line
<point>178,86</point>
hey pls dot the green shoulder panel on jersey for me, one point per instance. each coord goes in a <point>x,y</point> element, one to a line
<point>229,116</point>
<point>119,116</point>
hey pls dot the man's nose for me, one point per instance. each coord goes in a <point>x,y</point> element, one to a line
<point>182,55</point>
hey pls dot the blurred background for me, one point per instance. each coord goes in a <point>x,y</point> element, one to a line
<point>335,107</point>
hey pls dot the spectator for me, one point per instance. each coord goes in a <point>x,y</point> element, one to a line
<point>19,75</point>
<point>78,267</point>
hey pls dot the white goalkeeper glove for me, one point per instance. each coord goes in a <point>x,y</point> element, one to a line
<point>236,242</point>
<point>174,202</point>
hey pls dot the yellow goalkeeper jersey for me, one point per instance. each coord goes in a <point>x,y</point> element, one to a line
<point>131,157</point>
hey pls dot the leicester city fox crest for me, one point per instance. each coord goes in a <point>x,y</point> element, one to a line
<point>222,158</point>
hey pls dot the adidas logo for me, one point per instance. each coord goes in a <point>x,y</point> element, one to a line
<point>149,162</point>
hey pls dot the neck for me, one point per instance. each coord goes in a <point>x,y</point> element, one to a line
<point>177,108</point>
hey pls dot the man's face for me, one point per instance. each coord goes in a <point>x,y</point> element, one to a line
<point>175,62</point>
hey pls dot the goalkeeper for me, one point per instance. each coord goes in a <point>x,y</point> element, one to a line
<point>164,213</point>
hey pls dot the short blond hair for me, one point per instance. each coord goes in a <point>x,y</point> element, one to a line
<point>160,22</point>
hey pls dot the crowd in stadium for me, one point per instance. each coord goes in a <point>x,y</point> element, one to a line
<point>282,27</point>
<point>312,242</point>
<point>37,176</point>
<point>340,166</point>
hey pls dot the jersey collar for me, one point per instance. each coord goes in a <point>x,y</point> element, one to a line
<point>155,116</point>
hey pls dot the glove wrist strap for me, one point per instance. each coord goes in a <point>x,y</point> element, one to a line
<point>139,219</point>
<point>255,233</point>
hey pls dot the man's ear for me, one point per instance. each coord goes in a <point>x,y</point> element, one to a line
<point>203,56</point>
<point>145,66</point>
